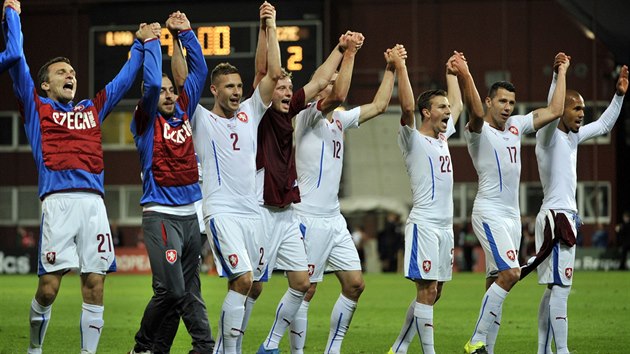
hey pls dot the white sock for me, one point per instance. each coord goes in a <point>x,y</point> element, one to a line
<point>558,316</point>
<point>407,332</point>
<point>298,329</point>
<point>39,318</point>
<point>249,307</point>
<point>544,328</point>
<point>91,326</point>
<point>230,322</point>
<point>493,332</point>
<point>339,323</point>
<point>424,325</point>
<point>285,314</point>
<point>491,304</point>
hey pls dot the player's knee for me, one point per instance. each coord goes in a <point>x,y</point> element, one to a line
<point>46,295</point>
<point>242,284</point>
<point>303,286</point>
<point>354,289</point>
<point>513,275</point>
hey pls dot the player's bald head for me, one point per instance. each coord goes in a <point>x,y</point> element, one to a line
<point>572,97</point>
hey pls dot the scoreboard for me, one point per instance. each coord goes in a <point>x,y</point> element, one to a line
<point>300,49</point>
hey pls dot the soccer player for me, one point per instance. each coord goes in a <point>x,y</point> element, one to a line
<point>494,143</point>
<point>163,135</point>
<point>277,187</point>
<point>429,231</point>
<point>12,34</point>
<point>225,140</point>
<point>319,159</point>
<point>556,153</point>
<point>66,141</point>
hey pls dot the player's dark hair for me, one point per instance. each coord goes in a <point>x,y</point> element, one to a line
<point>42,74</point>
<point>424,100</point>
<point>222,69</point>
<point>142,83</point>
<point>500,84</point>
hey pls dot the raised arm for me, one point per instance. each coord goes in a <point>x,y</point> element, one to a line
<point>260,61</point>
<point>116,89</point>
<point>179,68</point>
<point>544,134</point>
<point>384,93</point>
<point>324,72</point>
<point>405,92</point>
<point>344,77</point>
<point>274,70</point>
<point>452,87</point>
<point>196,63</point>
<point>544,116</point>
<point>12,34</point>
<point>146,111</point>
<point>607,120</point>
<point>470,93</point>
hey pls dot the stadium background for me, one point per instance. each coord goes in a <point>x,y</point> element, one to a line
<point>514,40</point>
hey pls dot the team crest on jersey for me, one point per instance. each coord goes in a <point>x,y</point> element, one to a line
<point>568,272</point>
<point>426,265</point>
<point>442,137</point>
<point>511,255</point>
<point>513,130</point>
<point>311,269</point>
<point>78,107</point>
<point>51,257</point>
<point>233,259</point>
<point>242,116</point>
<point>338,122</point>
<point>171,256</point>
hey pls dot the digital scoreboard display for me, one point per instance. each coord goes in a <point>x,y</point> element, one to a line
<point>300,49</point>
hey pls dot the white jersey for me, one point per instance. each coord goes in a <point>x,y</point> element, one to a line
<point>227,150</point>
<point>430,170</point>
<point>556,153</point>
<point>319,158</point>
<point>496,156</point>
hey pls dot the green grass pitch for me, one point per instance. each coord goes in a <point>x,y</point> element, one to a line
<point>599,314</point>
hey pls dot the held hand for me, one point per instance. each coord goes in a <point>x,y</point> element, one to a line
<point>355,42</point>
<point>343,41</point>
<point>564,65</point>
<point>267,15</point>
<point>397,56</point>
<point>559,59</point>
<point>156,30</point>
<point>140,33</point>
<point>15,4</point>
<point>177,21</point>
<point>459,64</point>
<point>622,82</point>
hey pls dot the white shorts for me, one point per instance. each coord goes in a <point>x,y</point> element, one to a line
<point>75,234</point>
<point>500,238</point>
<point>558,267</point>
<point>428,252</point>
<point>329,246</point>
<point>238,245</point>
<point>284,243</point>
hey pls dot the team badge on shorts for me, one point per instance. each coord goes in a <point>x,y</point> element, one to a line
<point>426,265</point>
<point>513,130</point>
<point>51,257</point>
<point>311,269</point>
<point>233,259</point>
<point>568,272</point>
<point>242,116</point>
<point>171,256</point>
<point>511,255</point>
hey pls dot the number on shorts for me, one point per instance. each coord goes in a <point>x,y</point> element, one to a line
<point>101,239</point>
<point>262,255</point>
